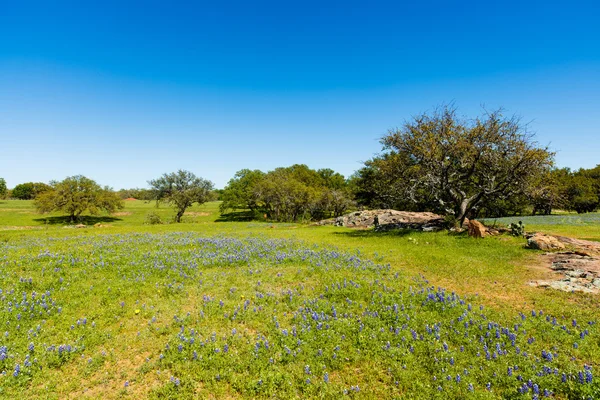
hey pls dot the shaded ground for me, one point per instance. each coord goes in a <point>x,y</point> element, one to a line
<point>85,220</point>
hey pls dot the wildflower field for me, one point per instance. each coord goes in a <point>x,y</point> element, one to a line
<point>211,309</point>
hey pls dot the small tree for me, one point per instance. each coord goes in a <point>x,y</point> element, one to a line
<point>181,190</point>
<point>76,195</point>
<point>3,189</point>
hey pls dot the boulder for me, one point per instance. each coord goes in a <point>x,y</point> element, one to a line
<point>477,229</point>
<point>540,241</point>
<point>388,219</point>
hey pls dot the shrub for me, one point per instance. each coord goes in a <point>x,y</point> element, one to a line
<point>153,218</point>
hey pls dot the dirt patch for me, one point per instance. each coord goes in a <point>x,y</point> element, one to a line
<point>18,228</point>
<point>130,199</point>
<point>196,214</point>
<point>121,214</point>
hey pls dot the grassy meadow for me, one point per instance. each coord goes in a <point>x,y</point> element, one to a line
<point>215,307</point>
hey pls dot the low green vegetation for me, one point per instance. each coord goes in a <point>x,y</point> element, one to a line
<point>212,308</point>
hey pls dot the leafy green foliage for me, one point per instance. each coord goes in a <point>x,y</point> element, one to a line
<point>76,195</point>
<point>582,193</point>
<point>288,194</point>
<point>239,193</point>
<point>153,218</point>
<point>139,194</point>
<point>181,190</point>
<point>3,189</point>
<point>29,190</point>
<point>451,165</point>
<point>563,189</point>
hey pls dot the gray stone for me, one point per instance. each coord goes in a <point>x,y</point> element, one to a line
<point>384,220</point>
<point>576,273</point>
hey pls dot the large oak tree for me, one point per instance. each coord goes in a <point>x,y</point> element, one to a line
<point>454,164</point>
<point>76,195</point>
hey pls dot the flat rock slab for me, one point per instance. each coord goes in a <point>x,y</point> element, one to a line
<point>388,219</point>
<point>541,241</point>
<point>583,246</point>
<point>577,272</point>
<point>568,286</point>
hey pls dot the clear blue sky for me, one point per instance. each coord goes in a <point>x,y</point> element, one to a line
<point>124,91</point>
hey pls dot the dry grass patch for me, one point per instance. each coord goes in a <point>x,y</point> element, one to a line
<point>121,214</point>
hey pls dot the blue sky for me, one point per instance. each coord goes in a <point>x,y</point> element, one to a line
<point>123,92</point>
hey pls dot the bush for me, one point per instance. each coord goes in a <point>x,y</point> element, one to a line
<point>153,219</point>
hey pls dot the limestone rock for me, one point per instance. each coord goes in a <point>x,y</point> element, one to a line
<point>544,242</point>
<point>477,229</point>
<point>388,219</point>
<point>586,247</point>
<point>576,274</point>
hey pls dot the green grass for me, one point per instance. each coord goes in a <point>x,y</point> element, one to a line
<point>231,294</point>
<point>582,226</point>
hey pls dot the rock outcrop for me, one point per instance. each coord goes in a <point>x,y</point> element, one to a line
<point>578,267</point>
<point>388,219</point>
<point>540,241</point>
<point>578,273</point>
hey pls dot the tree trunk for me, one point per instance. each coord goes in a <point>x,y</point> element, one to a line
<point>179,215</point>
<point>467,205</point>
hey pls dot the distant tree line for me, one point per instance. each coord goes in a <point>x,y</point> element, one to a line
<point>487,166</point>
<point>566,190</point>
<point>138,194</point>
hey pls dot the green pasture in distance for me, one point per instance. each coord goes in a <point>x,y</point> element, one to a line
<point>582,226</point>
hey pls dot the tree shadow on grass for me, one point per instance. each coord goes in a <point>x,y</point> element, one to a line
<point>366,233</point>
<point>85,220</point>
<point>237,216</point>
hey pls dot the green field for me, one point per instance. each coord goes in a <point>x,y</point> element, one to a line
<point>211,308</point>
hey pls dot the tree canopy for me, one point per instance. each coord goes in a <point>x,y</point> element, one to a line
<point>29,190</point>
<point>3,189</point>
<point>288,193</point>
<point>181,190</point>
<point>76,195</point>
<point>453,165</point>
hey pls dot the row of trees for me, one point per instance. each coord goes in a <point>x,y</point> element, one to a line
<point>565,189</point>
<point>288,194</point>
<point>78,194</point>
<point>489,166</point>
